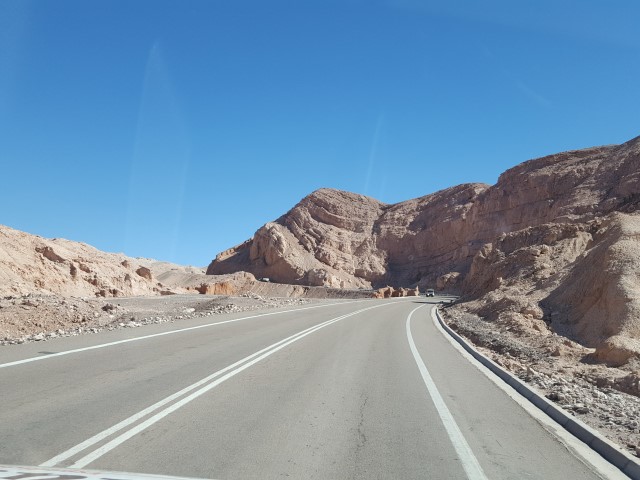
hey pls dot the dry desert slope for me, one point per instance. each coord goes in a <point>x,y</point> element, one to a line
<point>552,247</point>
<point>33,264</point>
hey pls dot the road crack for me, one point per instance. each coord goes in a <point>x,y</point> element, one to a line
<point>362,437</point>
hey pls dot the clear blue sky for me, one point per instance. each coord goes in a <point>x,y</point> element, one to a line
<point>174,129</point>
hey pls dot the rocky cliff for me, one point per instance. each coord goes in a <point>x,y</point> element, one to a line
<point>549,234</point>
<point>341,238</point>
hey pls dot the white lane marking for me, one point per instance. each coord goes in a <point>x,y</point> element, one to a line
<point>144,337</point>
<point>239,366</point>
<point>469,461</point>
<point>574,446</point>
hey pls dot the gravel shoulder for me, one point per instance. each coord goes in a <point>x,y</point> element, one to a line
<point>35,317</point>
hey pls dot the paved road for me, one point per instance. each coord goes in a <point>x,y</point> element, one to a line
<point>360,389</point>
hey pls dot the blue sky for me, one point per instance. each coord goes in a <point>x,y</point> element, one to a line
<point>174,129</point>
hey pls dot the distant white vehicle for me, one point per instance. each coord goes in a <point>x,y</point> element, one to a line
<point>431,292</point>
<point>264,279</point>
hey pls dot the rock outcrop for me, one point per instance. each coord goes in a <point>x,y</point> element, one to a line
<point>599,298</point>
<point>390,292</point>
<point>359,241</point>
<point>30,264</point>
<point>515,250</point>
<point>356,241</point>
<point>145,273</point>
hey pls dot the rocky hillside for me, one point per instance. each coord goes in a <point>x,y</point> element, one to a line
<point>552,242</point>
<point>341,238</point>
<point>57,287</point>
<point>32,264</point>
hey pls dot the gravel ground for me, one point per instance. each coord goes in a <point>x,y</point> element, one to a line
<point>40,317</point>
<point>605,398</point>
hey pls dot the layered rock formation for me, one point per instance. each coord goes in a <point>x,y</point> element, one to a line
<point>349,240</point>
<point>549,234</point>
<point>358,241</point>
<point>58,268</point>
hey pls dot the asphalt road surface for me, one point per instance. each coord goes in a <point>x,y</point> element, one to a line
<point>358,389</point>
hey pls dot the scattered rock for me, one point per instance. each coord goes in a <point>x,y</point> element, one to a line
<point>108,307</point>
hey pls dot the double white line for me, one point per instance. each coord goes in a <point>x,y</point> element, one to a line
<point>161,334</point>
<point>200,387</point>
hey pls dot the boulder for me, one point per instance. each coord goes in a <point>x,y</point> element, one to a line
<point>218,288</point>
<point>144,272</point>
<point>48,253</point>
<point>448,281</point>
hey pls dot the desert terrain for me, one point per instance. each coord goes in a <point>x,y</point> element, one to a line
<point>544,264</point>
<point>57,287</point>
<point>561,229</point>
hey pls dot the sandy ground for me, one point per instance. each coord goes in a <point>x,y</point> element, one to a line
<point>606,398</point>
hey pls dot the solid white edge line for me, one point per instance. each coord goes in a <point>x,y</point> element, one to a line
<point>134,418</point>
<point>576,447</point>
<point>469,461</point>
<point>171,332</point>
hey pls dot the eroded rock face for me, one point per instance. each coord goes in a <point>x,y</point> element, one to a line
<point>363,242</point>
<point>505,247</point>
<point>356,240</point>
<point>231,285</point>
<point>449,281</point>
<point>325,240</point>
<point>145,273</point>
<point>599,298</point>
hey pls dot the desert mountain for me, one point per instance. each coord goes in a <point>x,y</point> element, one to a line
<point>555,240</point>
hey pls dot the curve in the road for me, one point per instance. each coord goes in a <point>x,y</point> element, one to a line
<point>469,461</point>
<point>206,384</point>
